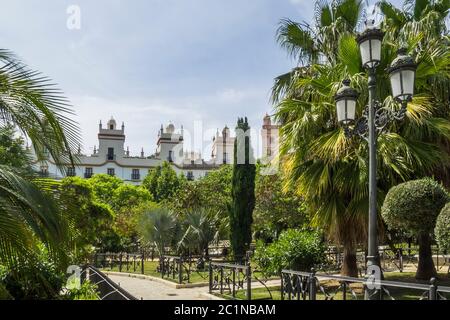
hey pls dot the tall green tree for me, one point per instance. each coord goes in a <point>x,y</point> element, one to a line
<point>275,209</point>
<point>242,192</point>
<point>92,220</point>
<point>163,182</point>
<point>331,171</point>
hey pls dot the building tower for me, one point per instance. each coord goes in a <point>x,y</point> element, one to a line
<point>111,141</point>
<point>169,145</point>
<point>269,135</point>
<point>223,147</point>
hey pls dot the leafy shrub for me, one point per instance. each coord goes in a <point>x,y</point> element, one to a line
<point>442,230</point>
<point>33,280</point>
<point>295,250</point>
<point>87,291</point>
<point>413,206</point>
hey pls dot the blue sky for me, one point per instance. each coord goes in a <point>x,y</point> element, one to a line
<point>148,62</point>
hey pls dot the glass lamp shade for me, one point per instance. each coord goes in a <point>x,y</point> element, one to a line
<point>402,74</point>
<point>346,103</point>
<point>370,46</point>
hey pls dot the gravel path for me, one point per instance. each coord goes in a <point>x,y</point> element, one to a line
<point>153,290</point>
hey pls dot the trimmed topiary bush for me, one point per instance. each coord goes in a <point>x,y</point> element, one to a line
<point>295,250</point>
<point>413,206</point>
<point>442,230</point>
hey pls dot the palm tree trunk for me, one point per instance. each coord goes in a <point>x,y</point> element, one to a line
<point>349,267</point>
<point>426,269</point>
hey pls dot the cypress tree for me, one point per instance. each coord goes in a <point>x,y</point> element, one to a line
<point>243,192</point>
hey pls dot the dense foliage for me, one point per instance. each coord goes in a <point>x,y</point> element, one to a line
<point>295,249</point>
<point>163,182</point>
<point>212,191</point>
<point>442,230</point>
<point>276,209</point>
<point>413,206</point>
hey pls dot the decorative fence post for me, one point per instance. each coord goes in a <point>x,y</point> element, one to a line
<point>120,262</point>
<point>312,285</point>
<point>180,270</point>
<point>249,283</point>
<point>210,277</point>
<point>142,263</point>
<point>400,258</point>
<point>282,286</point>
<point>433,290</point>
<point>221,280</point>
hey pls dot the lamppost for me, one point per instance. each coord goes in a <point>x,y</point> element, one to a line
<point>375,117</point>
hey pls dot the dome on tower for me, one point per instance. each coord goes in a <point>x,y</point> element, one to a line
<point>267,120</point>
<point>112,124</point>
<point>170,128</point>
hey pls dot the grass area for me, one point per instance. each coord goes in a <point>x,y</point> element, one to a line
<point>150,270</point>
<point>331,286</point>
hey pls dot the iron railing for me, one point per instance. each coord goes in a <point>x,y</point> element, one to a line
<point>390,259</point>
<point>227,278</point>
<point>108,289</point>
<point>297,285</point>
<point>122,262</point>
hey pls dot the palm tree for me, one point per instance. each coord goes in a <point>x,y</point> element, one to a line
<point>318,43</point>
<point>331,171</point>
<point>201,228</point>
<point>31,103</point>
<point>159,227</point>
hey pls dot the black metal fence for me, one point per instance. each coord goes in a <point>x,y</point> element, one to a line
<point>121,262</point>
<point>297,285</point>
<point>391,260</point>
<point>108,289</point>
<point>226,279</point>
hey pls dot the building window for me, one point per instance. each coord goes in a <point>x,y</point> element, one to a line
<point>135,175</point>
<point>170,156</point>
<point>111,127</point>
<point>110,155</point>
<point>71,172</point>
<point>88,173</point>
<point>190,176</point>
<point>224,158</point>
<point>111,172</point>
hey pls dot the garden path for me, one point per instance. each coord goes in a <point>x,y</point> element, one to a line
<point>154,290</point>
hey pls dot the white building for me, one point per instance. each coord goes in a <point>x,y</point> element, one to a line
<point>112,158</point>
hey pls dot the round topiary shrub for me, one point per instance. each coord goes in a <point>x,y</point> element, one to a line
<point>442,230</point>
<point>413,206</point>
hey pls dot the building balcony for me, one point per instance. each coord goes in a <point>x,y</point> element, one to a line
<point>111,157</point>
<point>135,177</point>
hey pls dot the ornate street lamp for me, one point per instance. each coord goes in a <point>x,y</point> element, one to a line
<point>374,120</point>
<point>402,74</point>
<point>370,46</point>
<point>346,103</point>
